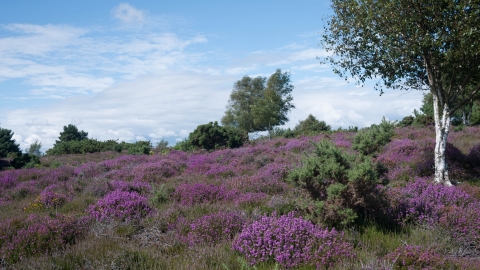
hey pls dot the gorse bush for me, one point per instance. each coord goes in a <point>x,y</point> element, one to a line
<point>368,141</point>
<point>291,241</point>
<point>344,185</point>
<point>212,136</point>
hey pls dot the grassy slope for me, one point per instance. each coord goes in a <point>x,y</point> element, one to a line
<point>257,168</point>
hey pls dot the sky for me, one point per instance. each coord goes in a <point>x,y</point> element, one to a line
<point>155,70</point>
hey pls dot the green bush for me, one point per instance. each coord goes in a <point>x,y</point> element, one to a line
<point>369,140</point>
<point>24,161</point>
<point>311,126</point>
<point>211,136</point>
<point>94,146</point>
<point>406,121</point>
<point>184,145</point>
<point>342,185</point>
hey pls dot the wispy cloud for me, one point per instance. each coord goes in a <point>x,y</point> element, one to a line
<point>128,14</point>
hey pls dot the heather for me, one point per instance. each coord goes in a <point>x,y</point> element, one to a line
<point>307,202</point>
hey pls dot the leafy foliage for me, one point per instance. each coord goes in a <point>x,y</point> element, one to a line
<point>71,133</point>
<point>411,45</point>
<point>7,143</point>
<point>258,104</point>
<point>34,149</point>
<point>343,184</point>
<point>311,126</point>
<point>94,146</point>
<point>24,160</point>
<point>212,136</point>
<point>369,140</point>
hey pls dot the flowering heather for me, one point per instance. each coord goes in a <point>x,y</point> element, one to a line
<point>415,257</point>
<point>295,145</point>
<point>153,171</point>
<point>214,228</point>
<point>38,234</point>
<point>49,198</point>
<point>248,199</point>
<point>473,159</point>
<point>139,187</point>
<point>343,140</point>
<point>291,242</point>
<point>463,224</point>
<point>8,179</point>
<point>425,201</point>
<point>121,205</point>
<point>190,194</point>
<point>87,170</point>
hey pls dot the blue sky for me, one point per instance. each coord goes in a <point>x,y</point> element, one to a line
<point>152,70</point>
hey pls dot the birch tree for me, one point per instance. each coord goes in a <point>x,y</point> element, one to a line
<point>431,45</point>
<point>258,104</point>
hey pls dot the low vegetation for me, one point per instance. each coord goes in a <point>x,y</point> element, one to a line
<point>307,202</point>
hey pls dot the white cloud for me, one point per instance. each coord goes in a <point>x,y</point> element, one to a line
<point>38,39</point>
<point>168,106</point>
<point>128,14</point>
<point>162,133</point>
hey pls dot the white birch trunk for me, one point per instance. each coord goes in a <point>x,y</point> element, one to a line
<point>442,126</point>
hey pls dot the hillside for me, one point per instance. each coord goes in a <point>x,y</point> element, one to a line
<point>287,203</point>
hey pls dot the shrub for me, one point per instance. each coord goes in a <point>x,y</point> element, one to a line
<point>369,140</point>
<point>38,234</point>
<point>7,143</point>
<point>473,158</point>
<point>24,161</point>
<point>120,205</point>
<point>343,184</point>
<point>190,194</point>
<point>214,228</point>
<point>424,201</point>
<point>406,121</point>
<point>212,136</point>
<point>139,187</point>
<point>93,146</point>
<point>415,257</point>
<point>291,242</point>
<point>311,126</point>
<point>462,223</point>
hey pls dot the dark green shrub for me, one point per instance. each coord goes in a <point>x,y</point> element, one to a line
<point>184,145</point>
<point>406,121</point>
<point>423,120</point>
<point>24,161</point>
<point>278,132</point>
<point>137,148</point>
<point>212,136</point>
<point>369,140</point>
<point>94,146</point>
<point>311,126</point>
<point>342,185</point>
<point>7,143</point>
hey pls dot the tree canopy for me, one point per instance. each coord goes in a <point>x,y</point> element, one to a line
<point>411,44</point>
<point>71,133</point>
<point>258,104</point>
<point>311,125</point>
<point>7,143</point>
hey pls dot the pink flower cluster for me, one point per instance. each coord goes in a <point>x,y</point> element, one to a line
<point>291,241</point>
<point>120,205</point>
<point>38,234</point>
<point>196,193</point>
<point>214,228</point>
